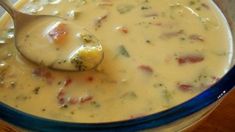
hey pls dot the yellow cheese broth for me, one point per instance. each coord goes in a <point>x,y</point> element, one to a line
<point>157,54</point>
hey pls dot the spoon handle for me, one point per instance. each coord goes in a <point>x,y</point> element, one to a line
<point>7,5</point>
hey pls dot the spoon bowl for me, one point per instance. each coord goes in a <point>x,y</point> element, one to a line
<point>63,45</point>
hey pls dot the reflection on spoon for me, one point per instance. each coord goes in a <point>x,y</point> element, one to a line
<point>55,42</point>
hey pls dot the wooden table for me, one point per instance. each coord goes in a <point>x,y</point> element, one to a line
<point>222,119</point>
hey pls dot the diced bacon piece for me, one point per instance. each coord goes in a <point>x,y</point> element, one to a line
<point>73,100</point>
<point>59,33</point>
<point>41,72</point>
<point>90,79</point>
<point>44,73</point>
<point>68,82</point>
<point>61,93</point>
<point>146,69</point>
<point>122,29</point>
<point>61,101</point>
<point>85,99</point>
<point>193,58</point>
<point>184,87</point>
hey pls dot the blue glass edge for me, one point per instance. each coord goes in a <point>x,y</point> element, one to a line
<point>199,102</point>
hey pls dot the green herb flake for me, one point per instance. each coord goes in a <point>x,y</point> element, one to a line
<point>129,95</point>
<point>167,95</point>
<point>95,104</point>
<point>36,90</point>
<point>124,8</point>
<point>123,51</point>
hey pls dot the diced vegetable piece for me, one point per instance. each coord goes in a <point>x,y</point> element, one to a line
<point>95,104</point>
<point>36,90</point>
<point>205,6</point>
<point>172,34</point>
<point>123,51</point>
<point>73,14</point>
<point>124,8</point>
<point>167,95</point>
<point>122,29</point>
<point>99,21</point>
<point>87,38</point>
<point>59,33</point>
<point>87,58</point>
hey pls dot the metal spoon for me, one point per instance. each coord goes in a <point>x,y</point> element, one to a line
<point>87,54</point>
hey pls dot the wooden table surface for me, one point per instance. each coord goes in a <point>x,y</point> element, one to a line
<point>222,119</point>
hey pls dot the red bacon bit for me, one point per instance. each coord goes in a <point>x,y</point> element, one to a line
<point>185,87</point>
<point>196,37</point>
<point>44,73</point>
<point>61,93</point>
<point>59,33</point>
<point>136,116</point>
<point>122,29</point>
<point>90,79</point>
<point>61,97</point>
<point>146,69</point>
<point>190,59</point>
<point>61,101</point>
<point>73,100</point>
<point>68,82</point>
<point>85,99</point>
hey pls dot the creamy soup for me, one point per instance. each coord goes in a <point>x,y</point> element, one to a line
<point>67,46</point>
<point>157,54</point>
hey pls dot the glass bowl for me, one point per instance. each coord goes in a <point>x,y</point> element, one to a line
<point>178,118</point>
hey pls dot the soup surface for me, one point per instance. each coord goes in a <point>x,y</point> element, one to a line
<point>157,54</point>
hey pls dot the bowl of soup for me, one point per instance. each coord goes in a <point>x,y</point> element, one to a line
<point>167,64</point>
